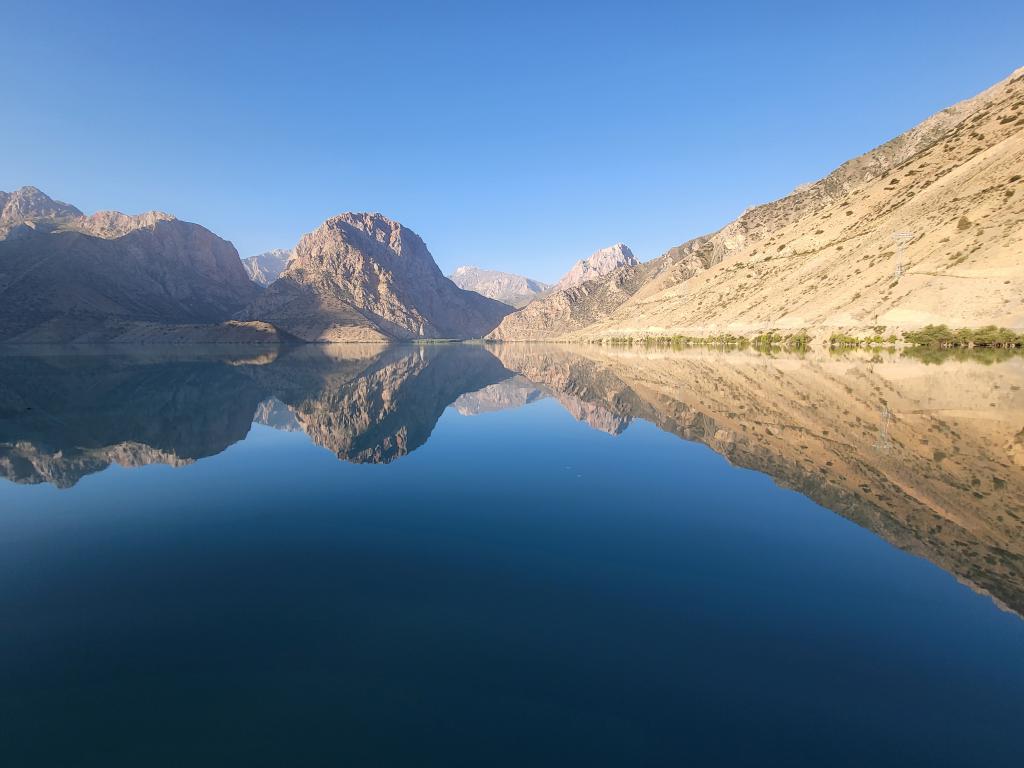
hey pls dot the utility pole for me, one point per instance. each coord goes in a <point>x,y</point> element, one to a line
<point>901,238</point>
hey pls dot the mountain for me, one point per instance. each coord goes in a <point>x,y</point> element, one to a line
<point>264,268</point>
<point>514,290</point>
<point>65,276</point>
<point>28,204</point>
<point>824,258</point>
<point>597,265</point>
<point>364,277</point>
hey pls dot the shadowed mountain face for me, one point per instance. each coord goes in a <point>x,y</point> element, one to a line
<point>68,277</point>
<point>929,457</point>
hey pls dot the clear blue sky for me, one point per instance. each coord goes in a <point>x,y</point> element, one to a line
<point>513,135</point>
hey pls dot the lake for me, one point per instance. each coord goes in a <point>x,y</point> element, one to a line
<point>509,555</point>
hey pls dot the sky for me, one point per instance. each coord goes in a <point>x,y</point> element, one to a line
<point>517,136</point>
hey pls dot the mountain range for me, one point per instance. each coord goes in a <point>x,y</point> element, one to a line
<point>926,229</point>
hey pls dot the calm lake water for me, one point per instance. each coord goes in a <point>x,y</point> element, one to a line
<point>509,555</point>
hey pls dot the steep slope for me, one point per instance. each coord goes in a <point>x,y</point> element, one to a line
<point>364,277</point>
<point>596,265</point>
<point>514,290</point>
<point>264,268</point>
<point>825,257</point>
<point>65,276</point>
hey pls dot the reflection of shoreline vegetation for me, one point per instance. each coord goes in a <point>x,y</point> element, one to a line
<point>798,341</point>
<point>983,355</point>
<point>942,336</point>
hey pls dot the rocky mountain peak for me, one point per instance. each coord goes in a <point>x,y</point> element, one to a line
<point>366,277</point>
<point>29,204</point>
<point>597,264</point>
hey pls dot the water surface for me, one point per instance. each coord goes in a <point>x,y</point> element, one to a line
<point>513,555</point>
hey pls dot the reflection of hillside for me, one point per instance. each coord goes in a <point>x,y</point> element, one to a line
<point>930,457</point>
<point>65,416</point>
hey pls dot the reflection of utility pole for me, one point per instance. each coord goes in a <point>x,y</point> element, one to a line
<point>901,238</point>
<point>884,443</point>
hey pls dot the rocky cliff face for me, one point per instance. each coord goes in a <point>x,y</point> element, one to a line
<point>514,290</point>
<point>364,277</point>
<point>597,265</point>
<point>264,268</point>
<point>64,276</point>
<point>825,257</point>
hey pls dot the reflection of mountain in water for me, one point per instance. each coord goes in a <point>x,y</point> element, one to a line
<point>63,416</point>
<point>517,391</point>
<point>928,457</point>
<point>66,416</point>
<point>383,408</point>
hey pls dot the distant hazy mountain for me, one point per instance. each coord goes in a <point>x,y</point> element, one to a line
<point>364,277</point>
<point>65,276</point>
<point>514,290</point>
<point>596,265</point>
<point>264,268</point>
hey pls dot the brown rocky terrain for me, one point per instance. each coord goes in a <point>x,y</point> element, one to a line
<point>364,277</point>
<point>825,258</point>
<point>68,277</point>
<point>930,457</point>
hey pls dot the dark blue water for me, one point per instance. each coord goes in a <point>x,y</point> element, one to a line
<point>534,575</point>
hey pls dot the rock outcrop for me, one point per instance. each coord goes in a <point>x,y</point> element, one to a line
<point>514,290</point>
<point>364,277</point>
<point>69,277</point>
<point>264,268</point>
